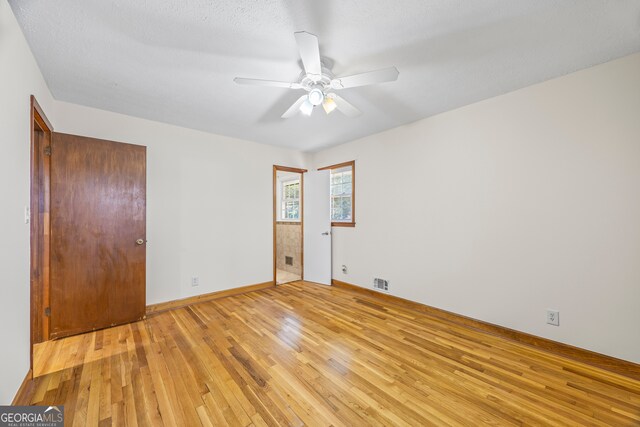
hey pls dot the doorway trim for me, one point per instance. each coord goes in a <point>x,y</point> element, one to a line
<point>277,168</point>
<point>39,220</point>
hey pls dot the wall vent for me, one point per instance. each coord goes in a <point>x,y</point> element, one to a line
<point>288,260</point>
<point>381,285</point>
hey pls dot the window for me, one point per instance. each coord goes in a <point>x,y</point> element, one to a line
<point>341,192</point>
<point>291,200</point>
<point>342,184</point>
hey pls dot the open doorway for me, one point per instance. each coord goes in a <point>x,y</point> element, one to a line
<point>287,225</point>
<point>40,227</point>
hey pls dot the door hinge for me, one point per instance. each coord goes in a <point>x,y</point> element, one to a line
<point>47,150</point>
<point>47,311</point>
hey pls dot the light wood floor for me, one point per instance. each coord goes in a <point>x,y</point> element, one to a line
<point>308,354</point>
<point>283,277</point>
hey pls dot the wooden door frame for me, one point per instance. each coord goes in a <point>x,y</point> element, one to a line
<point>277,168</point>
<point>40,226</point>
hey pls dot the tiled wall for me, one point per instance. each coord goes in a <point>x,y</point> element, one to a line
<point>289,243</point>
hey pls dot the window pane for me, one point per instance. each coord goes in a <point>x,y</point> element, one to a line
<point>346,208</point>
<point>336,208</point>
<point>341,208</point>
<point>291,210</point>
<point>290,200</point>
<point>334,203</point>
<point>335,213</point>
<point>291,190</point>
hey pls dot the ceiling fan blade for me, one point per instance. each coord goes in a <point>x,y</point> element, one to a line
<point>295,108</point>
<point>309,52</point>
<point>345,107</point>
<point>272,83</point>
<point>368,78</point>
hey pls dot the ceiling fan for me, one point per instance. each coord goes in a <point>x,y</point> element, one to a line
<point>320,83</point>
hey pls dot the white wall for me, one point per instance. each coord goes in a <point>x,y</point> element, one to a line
<point>200,222</point>
<point>19,78</point>
<point>508,207</point>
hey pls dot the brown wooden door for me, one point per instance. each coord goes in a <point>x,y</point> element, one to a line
<point>98,212</point>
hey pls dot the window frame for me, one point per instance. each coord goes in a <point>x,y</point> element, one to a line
<point>352,164</point>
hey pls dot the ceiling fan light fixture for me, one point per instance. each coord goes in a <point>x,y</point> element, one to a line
<point>316,96</point>
<point>306,108</point>
<point>329,105</point>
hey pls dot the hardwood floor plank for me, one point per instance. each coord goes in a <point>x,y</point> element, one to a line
<point>95,386</point>
<point>304,354</point>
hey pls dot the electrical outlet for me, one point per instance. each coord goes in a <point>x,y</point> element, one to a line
<point>27,214</point>
<point>344,269</point>
<point>553,317</point>
<point>195,281</point>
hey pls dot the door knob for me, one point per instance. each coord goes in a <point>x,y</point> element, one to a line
<point>139,242</point>
<point>326,233</point>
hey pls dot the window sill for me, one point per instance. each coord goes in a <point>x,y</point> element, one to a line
<point>343,224</point>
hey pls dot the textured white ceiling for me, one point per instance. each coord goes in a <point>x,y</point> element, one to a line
<point>174,60</point>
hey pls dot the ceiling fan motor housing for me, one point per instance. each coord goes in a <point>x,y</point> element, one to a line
<point>309,81</point>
